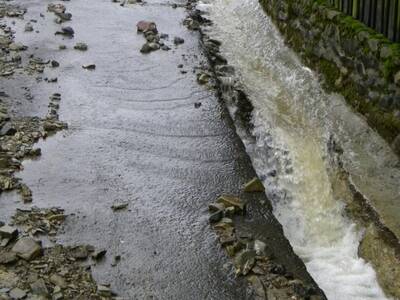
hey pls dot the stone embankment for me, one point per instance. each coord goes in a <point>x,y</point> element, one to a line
<point>353,59</point>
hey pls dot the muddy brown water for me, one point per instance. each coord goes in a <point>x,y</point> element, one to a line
<point>134,135</point>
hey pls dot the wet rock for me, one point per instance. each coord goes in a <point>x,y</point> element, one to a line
<point>55,64</point>
<point>17,47</point>
<point>28,27</point>
<point>67,31</point>
<point>231,201</point>
<point>203,78</point>
<point>8,232</point>
<point>56,8</point>
<point>62,47</point>
<point>26,193</point>
<point>7,257</point>
<point>89,67</point>
<point>119,206</point>
<point>17,293</point>
<point>254,186</point>
<point>104,291</point>
<point>64,16</point>
<point>99,254</point>
<point>178,40</point>
<point>8,129</point>
<point>39,288</point>
<point>149,47</point>
<point>244,261</point>
<point>58,281</point>
<point>216,216</point>
<point>259,247</point>
<point>81,46</point>
<point>80,252</point>
<point>146,26</point>
<point>39,221</point>
<point>27,248</point>
<point>214,207</point>
<point>197,104</point>
<point>165,48</point>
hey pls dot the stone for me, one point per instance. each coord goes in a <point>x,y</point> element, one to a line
<point>27,248</point>
<point>39,288</point>
<point>386,51</point>
<point>149,47</point>
<point>62,47</point>
<point>99,254</point>
<point>244,261</point>
<point>197,104</point>
<point>228,201</point>
<point>119,206</point>
<point>8,258</point>
<point>55,64</point>
<point>80,252</point>
<point>216,216</point>
<point>17,47</point>
<point>254,186</point>
<point>69,31</point>
<point>89,67</point>
<point>259,247</point>
<point>81,46</point>
<point>64,16</point>
<point>58,280</point>
<point>104,291</point>
<point>146,26</point>
<point>165,48</point>
<point>56,8</point>
<point>17,293</point>
<point>28,27</point>
<point>26,193</point>
<point>8,232</point>
<point>213,207</point>
<point>397,78</point>
<point>178,40</point>
<point>203,78</point>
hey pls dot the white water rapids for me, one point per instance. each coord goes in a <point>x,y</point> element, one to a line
<point>294,119</point>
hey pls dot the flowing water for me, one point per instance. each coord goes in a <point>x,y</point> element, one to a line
<point>294,121</point>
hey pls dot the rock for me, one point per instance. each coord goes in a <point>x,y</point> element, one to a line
<point>244,261</point>
<point>81,46</point>
<point>386,51</point>
<point>8,232</point>
<point>28,27</point>
<point>99,254</point>
<point>104,291</point>
<point>39,288</point>
<point>213,207</point>
<point>8,258</point>
<point>58,280</point>
<point>89,67</point>
<point>178,40</point>
<point>149,47</point>
<point>216,217</point>
<point>146,26</point>
<point>165,48</point>
<point>68,31</point>
<point>197,104</point>
<point>55,64</point>
<point>62,47</point>
<point>254,186</point>
<point>80,252</point>
<point>17,293</point>
<point>26,193</point>
<point>64,16</point>
<point>233,201</point>
<point>119,206</point>
<point>17,47</point>
<point>203,78</point>
<point>56,8</point>
<point>259,247</point>
<point>27,248</point>
<point>164,36</point>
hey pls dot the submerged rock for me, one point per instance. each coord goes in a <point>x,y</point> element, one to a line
<point>178,40</point>
<point>81,46</point>
<point>254,186</point>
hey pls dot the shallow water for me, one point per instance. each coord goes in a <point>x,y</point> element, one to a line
<point>294,121</point>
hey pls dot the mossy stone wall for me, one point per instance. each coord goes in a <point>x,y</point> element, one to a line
<point>354,60</point>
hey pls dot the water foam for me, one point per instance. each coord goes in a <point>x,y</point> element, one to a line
<point>293,120</point>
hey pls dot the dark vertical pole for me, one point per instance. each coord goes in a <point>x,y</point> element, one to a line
<point>379,14</point>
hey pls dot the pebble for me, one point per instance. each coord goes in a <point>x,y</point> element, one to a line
<point>89,67</point>
<point>178,40</point>
<point>81,46</point>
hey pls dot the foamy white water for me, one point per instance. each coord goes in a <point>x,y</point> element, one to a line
<point>294,119</point>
